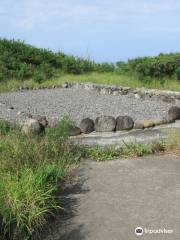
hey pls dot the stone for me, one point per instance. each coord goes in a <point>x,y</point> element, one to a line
<point>146,123</point>
<point>124,123</point>
<point>167,99</point>
<point>2,103</point>
<point>10,107</point>
<point>138,124</point>
<point>174,113</point>
<point>42,120</point>
<point>158,121</point>
<point>75,131</point>
<point>105,124</point>
<point>19,113</point>
<point>32,126</point>
<point>167,120</point>
<point>65,85</point>
<point>137,96</point>
<point>87,125</point>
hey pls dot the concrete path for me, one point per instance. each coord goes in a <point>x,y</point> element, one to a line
<point>110,199</point>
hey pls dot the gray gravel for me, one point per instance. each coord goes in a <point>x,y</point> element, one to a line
<point>77,104</point>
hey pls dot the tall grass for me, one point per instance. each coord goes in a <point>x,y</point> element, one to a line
<point>30,169</point>
<point>102,78</point>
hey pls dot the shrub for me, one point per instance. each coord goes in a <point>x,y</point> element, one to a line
<point>177,73</point>
<point>39,77</point>
<point>164,65</point>
<point>22,61</point>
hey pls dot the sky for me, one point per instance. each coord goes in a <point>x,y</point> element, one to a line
<point>103,30</point>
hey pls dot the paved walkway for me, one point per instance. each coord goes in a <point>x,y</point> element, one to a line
<point>110,199</point>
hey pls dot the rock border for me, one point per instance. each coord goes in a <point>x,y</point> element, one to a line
<point>125,123</point>
<point>118,139</point>
<point>103,123</point>
<point>138,93</point>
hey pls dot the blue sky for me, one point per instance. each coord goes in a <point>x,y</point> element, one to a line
<point>105,30</point>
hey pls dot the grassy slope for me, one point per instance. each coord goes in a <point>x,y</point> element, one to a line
<point>105,78</point>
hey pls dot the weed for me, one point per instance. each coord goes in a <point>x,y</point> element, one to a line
<point>30,170</point>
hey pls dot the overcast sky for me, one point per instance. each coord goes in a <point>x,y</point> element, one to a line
<point>105,30</point>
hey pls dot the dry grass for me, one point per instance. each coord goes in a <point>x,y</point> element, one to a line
<point>103,78</point>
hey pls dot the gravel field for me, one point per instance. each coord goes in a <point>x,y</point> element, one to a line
<point>77,104</point>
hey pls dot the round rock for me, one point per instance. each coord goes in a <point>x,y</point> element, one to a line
<point>105,124</point>
<point>124,123</point>
<point>75,131</point>
<point>32,126</point>
<point>42,120</point>
<point>145,123</point>
<point>87,125</point>
<point>174,113</point>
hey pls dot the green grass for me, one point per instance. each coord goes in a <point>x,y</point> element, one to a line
<point>134,149</point>
<point>31,168</point>
<point>127,150</point>
<point>103,78</point>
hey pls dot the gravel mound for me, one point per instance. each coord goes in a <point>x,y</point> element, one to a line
<point>77,104</point>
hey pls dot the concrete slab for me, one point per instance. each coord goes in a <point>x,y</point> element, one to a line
<point>110,199</point>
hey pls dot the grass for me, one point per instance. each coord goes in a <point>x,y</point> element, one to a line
<point>174,140</point>
<point>127,150</point>
<point>135,149</point>
<point>30,170</point>
<point>104,78</point>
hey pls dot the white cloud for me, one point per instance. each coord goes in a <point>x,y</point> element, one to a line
<point>28,14</point>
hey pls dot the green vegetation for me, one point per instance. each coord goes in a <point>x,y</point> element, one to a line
<point>127,150</point>
<point>164,65</point>
<point>103,78</point>
<point>30,170</point>
<point>21,62</point>
<point>134,149</point>
<point>22,65</point>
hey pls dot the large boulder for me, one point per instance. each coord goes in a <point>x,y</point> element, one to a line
<point>87,125</point>
<point>124,123</point>
<point>174,113</point>
<point>105,124</point>
<point>32,126</point>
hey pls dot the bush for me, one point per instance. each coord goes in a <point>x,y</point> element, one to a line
<point>177,73</point>
<point>39,77</point>
<point>22,61</point>
<point>164,65</point>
